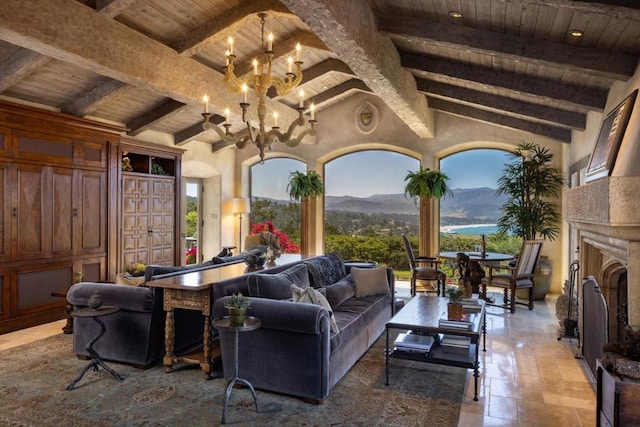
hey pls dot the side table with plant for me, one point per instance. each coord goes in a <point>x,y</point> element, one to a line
<point>237,304</point>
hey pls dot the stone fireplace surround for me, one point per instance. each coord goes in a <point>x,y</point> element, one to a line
<point>605,224</point>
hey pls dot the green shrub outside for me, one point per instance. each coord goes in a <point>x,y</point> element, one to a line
<point>389,250</point>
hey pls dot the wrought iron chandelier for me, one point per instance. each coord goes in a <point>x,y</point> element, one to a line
<point>260,81</point>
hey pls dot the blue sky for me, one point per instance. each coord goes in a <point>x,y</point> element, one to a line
<point>366,173</point>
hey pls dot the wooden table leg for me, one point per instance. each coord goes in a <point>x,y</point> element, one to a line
<point>169,342</point>
<point>206,364</point>
<point>68,308</point>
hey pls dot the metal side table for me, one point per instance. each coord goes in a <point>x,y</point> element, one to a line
<point>96,361</point>
<point>250,324</point>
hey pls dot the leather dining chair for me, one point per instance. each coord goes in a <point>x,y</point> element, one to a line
<point>430,272</point>
<point>519,276</point>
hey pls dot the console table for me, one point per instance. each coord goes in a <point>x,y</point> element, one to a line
<point>422,314</point>
<point>194,291</point>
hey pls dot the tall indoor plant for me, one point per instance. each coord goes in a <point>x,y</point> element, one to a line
<point>305,187</point>
<point>423,185</point>
<point>531,183</point>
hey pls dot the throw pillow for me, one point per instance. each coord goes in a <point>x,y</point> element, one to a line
<point>277,286</point>
<point>370,281</point>
<point>340,291</point>
<point>325,270</point>
<point>313,296</point>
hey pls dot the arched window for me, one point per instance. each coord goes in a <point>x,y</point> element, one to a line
<point>270,202</point>
<point>365,207</point>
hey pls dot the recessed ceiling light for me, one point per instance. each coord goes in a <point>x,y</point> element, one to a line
<point>455,14</point>
<point>575,33</point>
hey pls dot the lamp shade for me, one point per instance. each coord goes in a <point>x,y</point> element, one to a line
<point>240,205</point>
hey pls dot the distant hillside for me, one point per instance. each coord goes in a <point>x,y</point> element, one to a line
<point>467,206</point>
<point>475,205</point>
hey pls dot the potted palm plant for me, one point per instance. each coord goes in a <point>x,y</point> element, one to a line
<point>304,187</point>
<point>237,305</point>
<point>531,183</point>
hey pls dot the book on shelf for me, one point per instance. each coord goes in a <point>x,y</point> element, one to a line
<point>454,341</point>
<point>465,322</point>
<point>414,342</point>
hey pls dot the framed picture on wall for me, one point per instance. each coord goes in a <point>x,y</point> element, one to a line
<point>611,132</point>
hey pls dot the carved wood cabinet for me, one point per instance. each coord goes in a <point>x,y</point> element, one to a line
<point>69,211</point>
<point>150,205</point>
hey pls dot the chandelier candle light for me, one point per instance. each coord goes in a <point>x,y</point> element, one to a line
<point>260,80</point>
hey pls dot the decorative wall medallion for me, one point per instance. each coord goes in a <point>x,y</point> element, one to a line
<point>367,117</point>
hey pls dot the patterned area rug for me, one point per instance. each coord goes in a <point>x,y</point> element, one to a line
<point>34,378</point>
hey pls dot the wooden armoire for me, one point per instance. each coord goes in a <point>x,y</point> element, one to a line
<point>63,213</point>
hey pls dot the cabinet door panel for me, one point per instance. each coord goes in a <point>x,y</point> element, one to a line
<point>5,212</point>
<point>162,220</point>
<point>92,214</point>
<point>135,220</point>
<point>62,211</point>
<point>32,231</point>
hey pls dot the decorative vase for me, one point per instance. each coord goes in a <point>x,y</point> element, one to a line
<point>454,311</point>
<point>95,301</point>
<point>237,316</point>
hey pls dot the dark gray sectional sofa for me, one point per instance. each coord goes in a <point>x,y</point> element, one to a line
<point>294,352</point>
<point>135,334</point>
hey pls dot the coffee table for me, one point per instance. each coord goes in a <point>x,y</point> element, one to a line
<point>422,315</point>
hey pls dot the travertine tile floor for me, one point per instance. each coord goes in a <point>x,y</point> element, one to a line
<point>527,377</point>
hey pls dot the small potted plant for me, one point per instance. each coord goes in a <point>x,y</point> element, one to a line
<point>303,185</point>
<point>454,307</point>
<point>237,305</point>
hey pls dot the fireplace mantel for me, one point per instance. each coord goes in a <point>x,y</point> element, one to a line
<point>606,214</point>
<point>609,206</point>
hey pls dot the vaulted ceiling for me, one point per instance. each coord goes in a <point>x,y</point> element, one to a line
<point>147,63</point>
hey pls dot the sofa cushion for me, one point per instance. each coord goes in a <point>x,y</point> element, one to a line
<point>325,270</point>
<point>370,281</point>
<point>313,296</point>
<point>278,286</point>
<point>354,314</point>
<point>340,291</point>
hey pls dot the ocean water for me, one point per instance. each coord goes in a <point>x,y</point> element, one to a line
<point>470,229</point>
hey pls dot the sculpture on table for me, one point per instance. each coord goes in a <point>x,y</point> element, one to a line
<point>273,245</point>
<point>464,273</point>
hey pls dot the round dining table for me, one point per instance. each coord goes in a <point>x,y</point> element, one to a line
<point>476,272</point>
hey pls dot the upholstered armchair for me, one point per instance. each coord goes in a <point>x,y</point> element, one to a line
<point>517,277</point>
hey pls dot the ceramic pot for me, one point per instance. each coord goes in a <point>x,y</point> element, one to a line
<point>454,311</point>
<point>237,316</point>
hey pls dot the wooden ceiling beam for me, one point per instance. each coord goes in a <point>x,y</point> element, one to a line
<point>617,66</point>
<point>339,91</point>
<point>350,30</point>
<point>151,117</point>
<point>119,52</point>
<point>583,98</point>
<point>193,132</point>
<point>227,24</point>
<point>561,134</point>
<point>113,8</point>
<point>24,61</point>
<point>18,66</point>
<point>502,104</point>
<point>331,65</point>
<point>95,98</point>
<point>620,9</point>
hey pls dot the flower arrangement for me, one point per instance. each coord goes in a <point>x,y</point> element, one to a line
<point>287,245</point>
<point>192,255</point>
